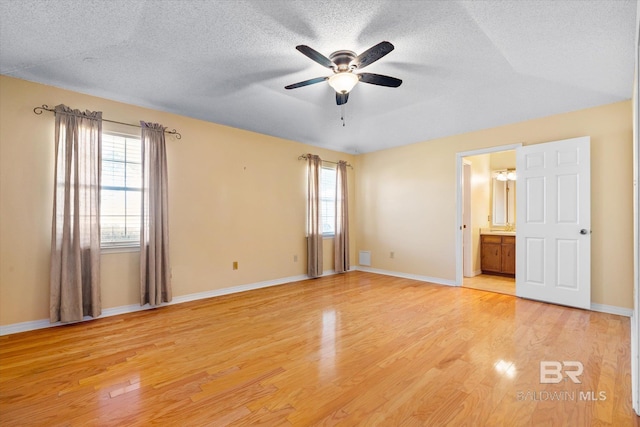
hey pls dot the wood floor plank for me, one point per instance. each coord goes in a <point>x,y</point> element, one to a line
<point>351,349</point>
<point>491,283</point>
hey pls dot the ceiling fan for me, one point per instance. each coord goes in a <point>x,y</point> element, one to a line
<point>344,63</point>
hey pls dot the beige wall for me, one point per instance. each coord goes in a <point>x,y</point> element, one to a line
<point>407,197</point>
<point>503,160</point>
<point>240,196</point>
<point>234,196</point>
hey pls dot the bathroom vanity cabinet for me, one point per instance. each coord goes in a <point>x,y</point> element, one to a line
<point>498,254</point>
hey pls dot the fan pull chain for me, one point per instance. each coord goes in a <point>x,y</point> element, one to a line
<point>342,108</point>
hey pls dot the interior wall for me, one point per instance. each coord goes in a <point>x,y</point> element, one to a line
<point>503,160</point>
<point>234,195</point>
<point>240,196</point>
<point>409,196</point>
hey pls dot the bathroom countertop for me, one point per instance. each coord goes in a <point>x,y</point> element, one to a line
<point>497,232</point>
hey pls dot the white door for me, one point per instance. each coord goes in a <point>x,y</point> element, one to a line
<point>553,222</point>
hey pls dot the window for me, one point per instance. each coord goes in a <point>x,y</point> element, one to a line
<point>328,200</point>
<point>121,197</point>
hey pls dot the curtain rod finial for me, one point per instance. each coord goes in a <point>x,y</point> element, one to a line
<point>174,132</point>
<point>39,110</point>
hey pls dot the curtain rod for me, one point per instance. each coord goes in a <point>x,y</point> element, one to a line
<point>304,157</point>
<point>39,110</point>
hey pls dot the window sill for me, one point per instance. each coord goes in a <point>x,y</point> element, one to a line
<point>328,236</point>
<point>119,249</point>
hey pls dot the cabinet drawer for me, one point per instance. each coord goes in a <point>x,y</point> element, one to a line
<point>509,240</point>
<point>491,239</point>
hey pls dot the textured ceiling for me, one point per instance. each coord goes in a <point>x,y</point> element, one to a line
<point>465,65</point>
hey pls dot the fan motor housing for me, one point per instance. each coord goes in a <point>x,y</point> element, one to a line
<point>342,59</point>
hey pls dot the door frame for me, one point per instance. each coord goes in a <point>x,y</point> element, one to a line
<point>467,251</point>
<point>459,183</point>
<point>635,320</point>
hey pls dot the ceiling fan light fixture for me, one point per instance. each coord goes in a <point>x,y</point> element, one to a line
<point>343,82</point>
<point>343,63</point>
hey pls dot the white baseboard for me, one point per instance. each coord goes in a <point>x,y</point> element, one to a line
<point>612,309</point>
<point>473,274</point>
<point>603,308</point>
<point>114,311</point>
<point>236,289</point>
<point>635,365</point>
<point>436,280</point>
<point>31,325</point>
<point>44,323</point>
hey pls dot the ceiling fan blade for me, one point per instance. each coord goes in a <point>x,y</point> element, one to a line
<point>316,56</point>
<point>379,79</point>
<point>372,54</point>
<point>306,82</point>
<point>342,98</point>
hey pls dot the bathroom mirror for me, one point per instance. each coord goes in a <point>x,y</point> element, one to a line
<point>504,200</point>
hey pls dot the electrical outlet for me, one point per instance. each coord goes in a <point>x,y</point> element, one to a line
<point>392,254</point>
<point>295,258</point>
<point>235,265</point>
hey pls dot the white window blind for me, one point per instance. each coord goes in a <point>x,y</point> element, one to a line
<point>121,186</point>
<point>328,200</point>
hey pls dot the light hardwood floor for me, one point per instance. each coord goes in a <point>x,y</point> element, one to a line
<point>491,283</point>
<point>352,349</point>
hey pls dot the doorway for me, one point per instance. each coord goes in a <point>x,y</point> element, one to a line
<point>554,223</point>
<point>479,216</point>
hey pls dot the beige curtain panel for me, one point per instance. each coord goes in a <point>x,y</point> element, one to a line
<point>75,235</point>
<point>155,272</point>
<point>341,240</point>
<point>314,230</point>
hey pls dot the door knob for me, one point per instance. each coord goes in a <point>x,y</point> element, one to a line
<point>584,231</point>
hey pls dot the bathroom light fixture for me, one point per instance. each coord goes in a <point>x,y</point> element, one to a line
<point>506,175</point>
<point>343,82</point>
